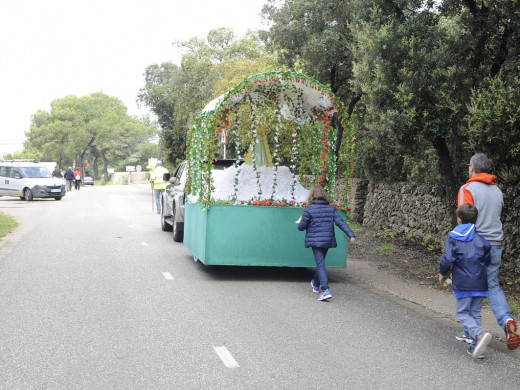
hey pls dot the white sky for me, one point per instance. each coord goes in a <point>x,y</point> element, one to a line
<point>50,49</point>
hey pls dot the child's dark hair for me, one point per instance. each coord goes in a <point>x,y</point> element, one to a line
<point>317,192</point>
<point>467,213</point>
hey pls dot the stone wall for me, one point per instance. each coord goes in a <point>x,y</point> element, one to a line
<point>414,212</point>
<point>135,177</point>
<point>511,220</point>
<point>421,213</point>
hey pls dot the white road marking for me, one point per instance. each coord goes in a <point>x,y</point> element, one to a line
<point>167,275</point>
<point>226,357</point>
<point>144,244</point>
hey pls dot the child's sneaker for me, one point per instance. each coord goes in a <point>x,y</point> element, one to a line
<point>315,289</point>
<point>513,338</point>
<point>470,351</point>
<point>482,344</point>
<point>324,295</point>
<point>462,336</point>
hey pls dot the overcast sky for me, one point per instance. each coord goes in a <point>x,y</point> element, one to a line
<point>54,48</point>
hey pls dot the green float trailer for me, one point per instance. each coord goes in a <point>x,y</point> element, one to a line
<point>252,235</point>
<point>252,232</point>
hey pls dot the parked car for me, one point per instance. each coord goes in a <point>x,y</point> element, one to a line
<point>29,180</point>
<point>172,200</point>
<point>88,181</point>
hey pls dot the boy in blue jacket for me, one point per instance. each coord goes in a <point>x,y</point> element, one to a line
<point>318,219</point>
<point>468,254</point>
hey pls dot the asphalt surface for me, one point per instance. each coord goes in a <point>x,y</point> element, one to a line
<point>93,295</point>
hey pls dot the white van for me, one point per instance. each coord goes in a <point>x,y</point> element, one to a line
<point>29,180</point>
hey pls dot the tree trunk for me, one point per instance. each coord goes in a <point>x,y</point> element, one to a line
<point>337,124</point>
<point>446,172</point>
<point>105,165</point>
<point>95,168</point>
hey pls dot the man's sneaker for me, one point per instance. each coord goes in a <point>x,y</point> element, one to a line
<point>470,351</point>
<point>482,344</point>
<point>513,337</point>
<point>324,295</point>
<point>462,336</point>
<point>315,289</point>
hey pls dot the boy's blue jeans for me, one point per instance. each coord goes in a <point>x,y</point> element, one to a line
<point>469,312</point>
<point>320,277</point>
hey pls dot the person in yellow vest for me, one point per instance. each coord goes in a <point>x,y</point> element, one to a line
<point>158,183</point>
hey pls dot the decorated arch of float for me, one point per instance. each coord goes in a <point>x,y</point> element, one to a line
<point>276,128</point>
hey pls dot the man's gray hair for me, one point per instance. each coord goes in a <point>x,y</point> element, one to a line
<point>481,162</point>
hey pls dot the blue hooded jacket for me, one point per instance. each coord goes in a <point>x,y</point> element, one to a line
<point>468,253</point>
<point>319,218</point>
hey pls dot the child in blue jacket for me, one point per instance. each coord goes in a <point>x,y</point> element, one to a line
<point>468,254</point>
<point>318,219</point>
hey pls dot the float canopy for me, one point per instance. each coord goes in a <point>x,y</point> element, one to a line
<point>285,86</point>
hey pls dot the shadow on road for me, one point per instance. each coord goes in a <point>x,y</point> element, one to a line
<point>256,273</point>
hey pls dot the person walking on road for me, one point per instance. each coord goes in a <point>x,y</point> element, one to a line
<point>482,192</point>
<point>77,178</point>
<point>158,183</point>
<point>318,220</point>
<point>69,177</point>
<point>57,172</point>
<point>468,254</point>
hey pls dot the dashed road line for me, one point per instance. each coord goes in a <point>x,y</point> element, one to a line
<point>226,357</point>
<point>167,276</point>
<point>144,244</point>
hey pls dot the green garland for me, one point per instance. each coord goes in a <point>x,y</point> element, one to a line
<point>284,90</point>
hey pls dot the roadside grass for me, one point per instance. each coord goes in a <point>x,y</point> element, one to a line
<point>514,304</point>
<point>7,224</point>
<point>388,247</point>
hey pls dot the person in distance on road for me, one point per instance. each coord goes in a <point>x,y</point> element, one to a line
<point>69,177</point>
<point>482,192</point>
<point>158,183</point>
<point>318,220</point>
<point>468,254</point>
<point>57,172</point>
<point>77,178</point>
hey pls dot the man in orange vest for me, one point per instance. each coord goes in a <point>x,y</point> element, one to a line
<point>481,191</point>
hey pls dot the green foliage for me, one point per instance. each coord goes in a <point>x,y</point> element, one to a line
<point>388,247</point>
<point>7,224</point>
<point>494,120</point>
<point>514,304</point>
<point>86,129</point>
<point>431,245</point>
<point>423,72</point>
<point>208,68</point>
<point>313,37</point>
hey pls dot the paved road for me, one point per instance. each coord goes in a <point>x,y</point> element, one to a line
<point>93,295</point>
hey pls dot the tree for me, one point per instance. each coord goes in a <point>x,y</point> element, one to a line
<point>96,124</point>
<point>494,120</point>
<point>411,68</point>
<point>314,37</point>
<point>408,70</point>
<point>176,94</point>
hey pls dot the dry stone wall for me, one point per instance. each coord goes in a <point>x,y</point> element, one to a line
<point>414,212</point>
<point>511,220</point>
<point>423,214</point>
